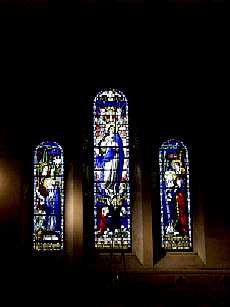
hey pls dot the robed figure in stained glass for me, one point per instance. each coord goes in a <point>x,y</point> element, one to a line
<point>175,196</point>
<point>110,159</point>
<point>111,171</point>
<point>48,196</point>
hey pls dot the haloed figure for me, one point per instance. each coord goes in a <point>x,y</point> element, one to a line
<point>110,160</point>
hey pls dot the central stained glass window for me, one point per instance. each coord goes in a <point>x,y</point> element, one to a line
<point>112,216</point>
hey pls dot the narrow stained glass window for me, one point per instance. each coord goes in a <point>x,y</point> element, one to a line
<point>48,197</point>
<point>111,171</point>
<point>175,197</point>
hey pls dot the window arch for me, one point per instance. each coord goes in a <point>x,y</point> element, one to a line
<point>48,210</point>
<point>112,218</point>
<point>176,232</point>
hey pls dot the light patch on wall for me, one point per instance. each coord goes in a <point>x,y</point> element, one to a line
<point>5,178</point>
<point>9,190</point>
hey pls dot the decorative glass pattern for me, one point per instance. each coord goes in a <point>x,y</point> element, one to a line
<point>111,171</point>
<point>175,197</point>
<point>48,197</point>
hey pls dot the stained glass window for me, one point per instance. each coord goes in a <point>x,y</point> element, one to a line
<point>111,171</point>
<point>175,197</point>
<point>48,197</point>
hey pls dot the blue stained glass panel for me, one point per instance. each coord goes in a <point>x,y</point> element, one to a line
<point>111,171</point>
<point>176,234</point>
<point>48,222</point>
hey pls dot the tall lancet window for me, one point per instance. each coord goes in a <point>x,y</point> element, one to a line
<point>48,197</point>
<point>111,171</point>
<point>176,232</point>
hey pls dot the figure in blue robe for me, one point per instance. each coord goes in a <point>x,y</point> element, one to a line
<point>110,160</point>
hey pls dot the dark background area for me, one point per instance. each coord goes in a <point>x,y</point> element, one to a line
<point>168,57</point>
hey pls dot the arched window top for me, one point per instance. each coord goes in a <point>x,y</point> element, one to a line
<point>173,144</point>
<point>178,151</point>
<point>176,234</point>
<point>51,146</point>
<point>110,97</point>
<point>48,209</point>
